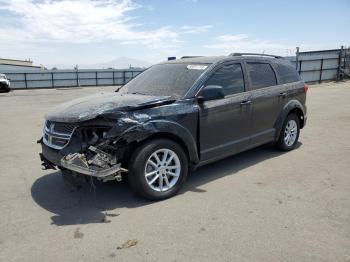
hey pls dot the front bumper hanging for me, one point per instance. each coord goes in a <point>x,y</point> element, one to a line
<point>77,162</point>
<point>94,163</point>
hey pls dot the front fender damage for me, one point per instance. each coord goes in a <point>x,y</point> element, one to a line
<point>101,159</point>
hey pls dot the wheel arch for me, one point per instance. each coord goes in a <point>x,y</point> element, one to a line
<point>169,136</point>
<point>300,114</point>
<point>167,130</point>
<point>292,107</point>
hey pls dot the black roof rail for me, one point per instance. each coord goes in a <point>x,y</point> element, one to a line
<point>256,54</point>
<point>194,56</point>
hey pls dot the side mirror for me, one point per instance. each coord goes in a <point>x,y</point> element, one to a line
<point>211,92</point>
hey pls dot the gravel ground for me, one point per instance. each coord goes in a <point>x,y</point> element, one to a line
<point>261,205</point>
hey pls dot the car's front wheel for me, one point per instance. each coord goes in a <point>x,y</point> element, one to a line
<point>289,135</point>
<point>158,169</point>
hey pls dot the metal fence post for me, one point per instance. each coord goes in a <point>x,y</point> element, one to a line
<point>52,80</point>
<point>339,62</point>
<point>297,58</point>
<point>321,69</point>
<point>344,64</point>
<point>345,57</point>
<point>76,78</point>
<point>25,80</point>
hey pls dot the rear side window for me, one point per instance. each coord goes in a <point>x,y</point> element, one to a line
<point>287,74</point>
<point>261,75</point>
<point>230,77</point>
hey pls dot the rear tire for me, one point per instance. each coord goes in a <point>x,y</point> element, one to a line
<point>158,169</point>
<point>289,134</point>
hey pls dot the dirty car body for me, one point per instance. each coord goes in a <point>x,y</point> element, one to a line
<point>94,135</point>
<point>97,135</point>
<point>96,144</point>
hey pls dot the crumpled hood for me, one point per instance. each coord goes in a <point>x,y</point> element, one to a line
<point>89,107</point>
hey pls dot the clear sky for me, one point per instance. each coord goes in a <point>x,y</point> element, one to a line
<point>68,32</point>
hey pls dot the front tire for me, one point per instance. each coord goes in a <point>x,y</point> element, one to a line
<point>289,134</point>
<point>158,169</point>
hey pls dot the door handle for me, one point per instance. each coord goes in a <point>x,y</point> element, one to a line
<point>246,102</point>
<point>283,94</point>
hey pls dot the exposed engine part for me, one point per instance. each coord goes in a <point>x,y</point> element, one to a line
<point>77,162</point>
<point>95,162</point>
<point>94,139</point>
<point>91,135</point>
<point>101,158</point>
<point>117,177</point>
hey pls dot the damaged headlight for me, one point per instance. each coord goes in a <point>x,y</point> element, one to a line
<point>93,135</point>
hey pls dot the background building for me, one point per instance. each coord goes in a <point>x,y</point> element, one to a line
<point>13,64</point>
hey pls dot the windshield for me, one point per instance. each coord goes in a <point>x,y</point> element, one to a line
<point>165,80</point>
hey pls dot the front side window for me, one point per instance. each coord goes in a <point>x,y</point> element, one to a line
<point>230,77</point>
<point>287,74</point>
<point>261,75</point>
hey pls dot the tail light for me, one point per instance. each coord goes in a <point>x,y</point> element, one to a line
<point>306,88</point>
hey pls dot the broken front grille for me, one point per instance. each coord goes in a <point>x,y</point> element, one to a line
<point>57,135</point>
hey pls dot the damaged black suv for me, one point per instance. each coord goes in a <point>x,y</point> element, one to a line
<point>175,116</point>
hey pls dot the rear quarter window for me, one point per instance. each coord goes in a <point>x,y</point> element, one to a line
<point>261,75</point>
<point>286,74</point>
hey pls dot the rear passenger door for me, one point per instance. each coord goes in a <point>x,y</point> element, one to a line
<point>268,99</point>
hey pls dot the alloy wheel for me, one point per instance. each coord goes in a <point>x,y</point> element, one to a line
<point>162,170</point>
<point>290,132</point>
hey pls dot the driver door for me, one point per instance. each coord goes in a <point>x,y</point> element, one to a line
<point>225,124</point>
